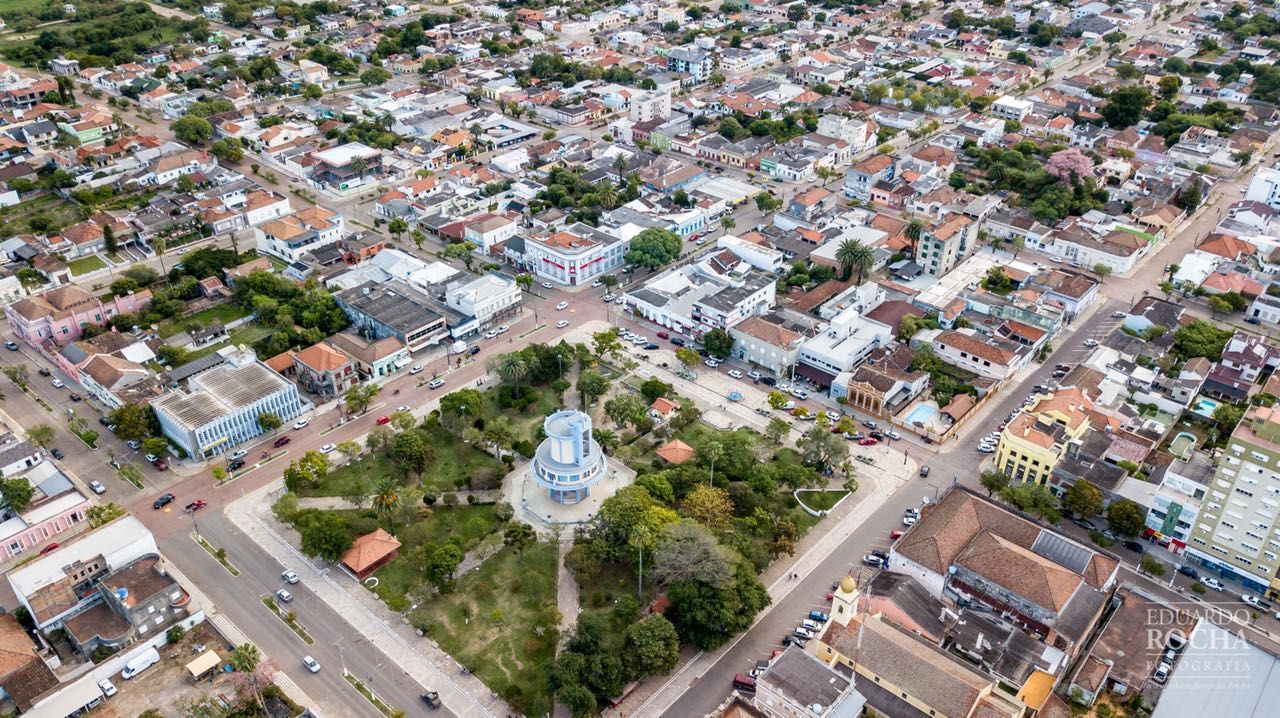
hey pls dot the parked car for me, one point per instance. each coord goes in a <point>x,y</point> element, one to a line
<point>802,632</point>
<point>97,487</point>
<point>107,687</point>
<point>873,561</point>
<point>235,465</point>
<point>755,375</point>
<point>1252,601</point>
<point>57,384</point>
<point>768,381</point>
<point>869,441</point>
<point>650,347</point>
<point>382,420</point>
<point>677,341</point>
<point>893,435</point>
<point>734,373</point>
<point>924,471</point>
<point>562,324</point>
<point>415,369</point>
<point>50,548</point>
<point>1188,572</point>
<point>1085,524</point>
<point>238,454</point>
<point>432,699</point>
<point>74,396</point>
<point>163,501</point>
<point>1161,673</point>
<point>289,577</point>
<point>11,346</point>
<point>818,616</point>
<point>160,465</point>
<point>57,453</point>
<point>1134,546</point>
<point>546,285</point>
<point>1210,582</point>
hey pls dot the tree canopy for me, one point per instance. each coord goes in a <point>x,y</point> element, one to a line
<point>653,248</point>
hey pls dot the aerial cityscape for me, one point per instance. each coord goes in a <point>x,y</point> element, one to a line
<point>670,358</point>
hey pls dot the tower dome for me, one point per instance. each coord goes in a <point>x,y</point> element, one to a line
<point>569,461</point>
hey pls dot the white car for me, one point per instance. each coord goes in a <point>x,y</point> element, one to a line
<point>562,306</point>
<point>415,369</point>
<point>789,406</point>
<point>893,435</point>
<point>435,383</point>
<point>909,520</point>
<point>1252,600</point>
<point>289,577</point>
<point>735,373</point>
<point>301,423</point>
<point>107,687</point>
<point>620,300</point>
<point>57,384</point>
<point>237,454</point>
<point>1210,582</point>
<point>503,329</point>
<point>640,341</point>
<point>833,415</point>
<point>1091,342</point>
<point>490,334</point>
<point>403,408</point>
<point>755,375</point>
<point>1056,260</point>
<point>562,324</point>
<point>800,394</point>
<point>327,449</point>
<point>284,595</point>
<point>984,449</point>
<point>782,386</point>
<point>311,664</point>
<point>1118,315</point>
<point>597,283</point>
<point>97,487</point>
<point>151,457</point>
<point>609,297</point>
<point>547,285</point>
<point>803,632</point>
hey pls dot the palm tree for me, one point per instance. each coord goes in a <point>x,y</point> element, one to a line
<point>915,228</point>
<point>1017,243</point>
<point>1173,269</point>
<point>512,369</point>
<point>846,253</point>
<point>712,450</point>
<point>864,258</point>
<point>608,195</point>
<point>386,499</point>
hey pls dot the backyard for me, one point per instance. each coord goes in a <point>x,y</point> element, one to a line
<point>223,314</point>
<point>85,265</point>
<point>500,622</point>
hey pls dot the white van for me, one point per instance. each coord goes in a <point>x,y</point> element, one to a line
<point>140,664</point>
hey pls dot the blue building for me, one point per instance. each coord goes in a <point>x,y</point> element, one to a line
<point>569,461</point>
<point>697,63</point>
<point>221,405</point>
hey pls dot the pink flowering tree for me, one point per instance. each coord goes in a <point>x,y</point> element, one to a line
<point>1069,165</point>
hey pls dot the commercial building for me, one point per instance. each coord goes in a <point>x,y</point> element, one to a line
<point>845,343</point>
<point>1237,531</point>
<point>221,405</point>
<point>766,341</point>
<point>487,298</point>
<point>575,255</point>
<point>798,685</point>
<point>324,370</point>
<point>1178,498</point>
<point>692,302</point>
<point>374,358</point>
<point>393,309</point>
<point>346,167</point>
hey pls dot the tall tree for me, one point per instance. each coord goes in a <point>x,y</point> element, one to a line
<point>1083,499</point>
<point>386,500</point>
<point>518,535</point>
<point>513,369</point>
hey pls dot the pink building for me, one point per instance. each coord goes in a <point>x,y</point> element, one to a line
<point>58,315</point>
<point>56,507</point>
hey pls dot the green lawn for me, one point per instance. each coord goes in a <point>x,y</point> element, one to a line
<point>492,620</point>
<point>85,265</point>
<point>526,422</point>
<point>455,460</point>
<point>50,211</point>
<point>247,335</point>
<point>465,525</point>
<point>822,500</point>
<point>223,313</point>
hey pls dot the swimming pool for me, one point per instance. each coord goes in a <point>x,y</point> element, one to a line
<point>1182,445</point>
<point>1205,407</point>
<point>921,414</point>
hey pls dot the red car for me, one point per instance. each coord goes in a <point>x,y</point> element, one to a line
<point>197,505</point>
<point>663,335</point>
<point>161,465</point>
<point>281,441</point>
<point>49,548</point>
<point>869,441</point>
<point>895,535</point>
<point>383,420</point>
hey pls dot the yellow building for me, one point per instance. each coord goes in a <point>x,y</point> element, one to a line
<point>1033,442</point>
<point>903,674</point>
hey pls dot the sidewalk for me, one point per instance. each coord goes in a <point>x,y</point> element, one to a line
<point>654,700</point>
<point>370,619</point>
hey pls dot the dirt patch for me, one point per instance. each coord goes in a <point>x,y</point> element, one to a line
<point>167,684</point>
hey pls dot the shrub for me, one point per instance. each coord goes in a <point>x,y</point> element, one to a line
<point>175,634</point>
<point>398,603</point>
<point>524,447</point>
<point>1197,589</point>
<point>471,499</point>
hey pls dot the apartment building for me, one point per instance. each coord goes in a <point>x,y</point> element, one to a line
<point>945,245</point>
<point>1236,530</point>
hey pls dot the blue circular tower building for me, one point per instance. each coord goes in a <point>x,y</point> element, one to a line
<point>569,461</point>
